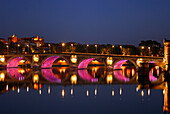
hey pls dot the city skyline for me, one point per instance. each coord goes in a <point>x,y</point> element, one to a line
<point>100,22</point>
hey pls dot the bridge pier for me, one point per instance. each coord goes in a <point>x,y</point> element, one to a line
<point>167,54</point>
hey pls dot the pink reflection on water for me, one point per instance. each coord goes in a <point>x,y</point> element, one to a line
<point>119,64</point>
<point>151,77</point>
<point>85,63</point>
<point>49,62</point>
<point>86,76</point>
<point>49,75</point>
<point>151,62</point>
<point>13,72</point>
<point>118,74</point>
<point>14,62</point>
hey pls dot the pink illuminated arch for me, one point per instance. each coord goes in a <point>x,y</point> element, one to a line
<point>49,75</point>
<point>86,76</point>
<point>13,72</point>
<point>49,62</point>
<point>13,63</point>
<point>118,74</point>
<point>85,63</point>
<point>152,78</point>
<point>119,64</point>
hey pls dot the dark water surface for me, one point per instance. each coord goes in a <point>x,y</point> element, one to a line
<point>83,97</point>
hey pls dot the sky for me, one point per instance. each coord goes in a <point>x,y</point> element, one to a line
<point>86,21</point>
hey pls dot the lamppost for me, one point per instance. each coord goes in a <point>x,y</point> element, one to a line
<point>87,47</point>
<point>18,48</point>
<point>7,48</point>
<point>142,47</point>
<point>112,48</point>
<point>28,47</point>
<point>149,48</point>
<point>49,45</point>
<point>96,47</point>
<point>71,47</point>
<point>63,44</point>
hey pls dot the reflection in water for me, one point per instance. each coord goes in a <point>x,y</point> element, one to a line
<point>13,72</point>
<point>86,76</point>
<point>151,77</point>
<point>49,75</point>
<point>42,86</point>
<point>119,75</point>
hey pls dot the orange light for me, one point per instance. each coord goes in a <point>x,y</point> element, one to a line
<point>40,86</point>
<point>36,86</point>
<point>13,88</point>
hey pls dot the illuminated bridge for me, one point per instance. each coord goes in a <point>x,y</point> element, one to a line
<point>75,60</point>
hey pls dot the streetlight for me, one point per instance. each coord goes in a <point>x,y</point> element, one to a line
<point>7,48</point>
<point>96,47</point>
<point>49,45</point>
<point>63,44</point>
<point>71,47</point>
<point>18,47</point>
<point>112,48</point>
<point>149,49</point>
<point>87,47</point>
<point>28,47</point>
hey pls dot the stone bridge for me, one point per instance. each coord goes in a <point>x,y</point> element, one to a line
<point>77,60</point>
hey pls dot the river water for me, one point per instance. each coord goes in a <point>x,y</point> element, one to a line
<point>64,90</point>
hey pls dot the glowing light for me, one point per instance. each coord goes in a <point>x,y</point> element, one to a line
<point>164,91</point>
<point>109,78</point>
<point>63,93</point>
<point>142,47</point>
<point>73,58</point>
<point>87,45</point>
<point>36,86</point>
<point>49,90</point>
<point>142,93</point>
<point>71,91</point>
<point>109,60</point>
<point>2,76</point>
<point>72,45</point>
<point>120,91</point>
<point>36,58</point>
<point>137,89</point>
<point>7,87</point>
<point>40,91</point>
<point>13,88</point>
<point>113,46</point>
<point>113,92</point>
<point>149,91</point>
<point>95,45</point>
<point>95,91</point>
<point>63,44</point>
<point>18,90</point>
<point>2,58</point>
<point>87,92</point>
<point>139,61</point>
<point>21,71</point>
<point>149,48</point>
<point>27,88</point>
<point>73,79</point>
<point>121,47</point>
<point>18,45</point>
<point>35,78</point>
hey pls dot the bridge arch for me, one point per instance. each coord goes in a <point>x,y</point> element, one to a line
<point>13,62</point>
<point>48,61</point>
<point>118,63</point>
<point>85,62</point>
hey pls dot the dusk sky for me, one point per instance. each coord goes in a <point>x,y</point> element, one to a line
<point>86,21</point>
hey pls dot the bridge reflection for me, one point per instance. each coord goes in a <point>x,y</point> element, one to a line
<point>15,79</point>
